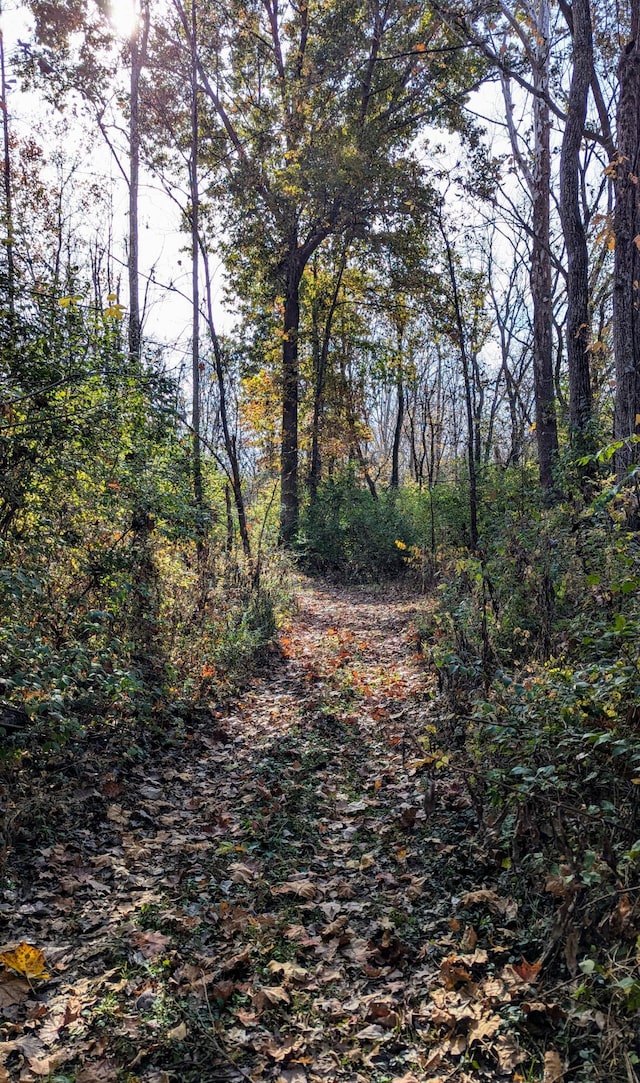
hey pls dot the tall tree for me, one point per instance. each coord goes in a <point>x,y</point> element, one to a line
<point>7,183</point>
<point>626,293</point>
<point>577,320</point>
<point>318,107</point>
<point>138,50</point>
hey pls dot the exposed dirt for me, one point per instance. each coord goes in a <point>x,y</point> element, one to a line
<point>297,891</point>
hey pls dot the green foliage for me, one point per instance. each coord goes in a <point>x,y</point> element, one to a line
<point>349,536</point>
<point>536,642</point>
<point>99,533</point>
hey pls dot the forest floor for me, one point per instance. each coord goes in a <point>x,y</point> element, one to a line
<point>274,893</point>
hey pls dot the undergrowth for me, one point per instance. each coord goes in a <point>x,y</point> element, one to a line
<point>535,640</point>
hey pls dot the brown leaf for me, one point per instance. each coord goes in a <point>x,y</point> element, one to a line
<point>562,883</point>
<point>452,973</point>
<point>291,971</point>
<point>335,928</point>
<point>508,1052</point>
<point>236,961</point>
<point>223,990</point>
<point>372,1033</point>
<point>268,996</point>
<point>506,908</point>
<point>484,1026</point>
<point>281,1050</point>
<point>102,1071</point>
<point>528,972</point>
<point>150,944</point>
<point>469,940</point>
<point>118,815</point>
<point>45,1065</point>
<point>553,1067</point>
<point>242,873</point>
<point>12,991</point>
<point>305,889</point>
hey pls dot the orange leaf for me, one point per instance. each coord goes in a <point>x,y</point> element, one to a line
<point>527,971</point>
<point>25,960</point>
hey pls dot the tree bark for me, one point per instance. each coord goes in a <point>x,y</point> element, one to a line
<point>138,57</point>
<point>468,393</point>
<point>397,433</point>
<point>289,500</point>
<point>8,194</point>
<point>321,361</point>
<point>228,436</point>
<point>626,293</point>
<point>540,278</point>
<point>577,325</point>
<point>195,257</point>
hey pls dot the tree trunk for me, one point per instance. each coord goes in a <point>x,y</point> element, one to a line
<point>289,504</point>
<point>321,361</point>
<point>8,200</point>
<point>138,57</point>
<point>577,326</point>
<point>626,295</point>
<point>195,257</point>
<point>468,394</point>
<point>397,434</point>
<point>540,277</point>
<point>228,436</point>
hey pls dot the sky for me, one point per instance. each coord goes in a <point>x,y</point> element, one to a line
<point>163,254</point>
<point>165,261</point>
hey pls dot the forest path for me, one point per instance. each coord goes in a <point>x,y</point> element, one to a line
<point>268,898</point>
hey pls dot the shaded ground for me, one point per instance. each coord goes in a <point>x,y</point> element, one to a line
<point>279,894</point>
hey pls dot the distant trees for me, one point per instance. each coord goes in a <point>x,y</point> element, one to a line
<point>316,110</point>
<point>291,137</point>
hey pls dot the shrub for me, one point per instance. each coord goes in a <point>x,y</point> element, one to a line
<point>349,536</point>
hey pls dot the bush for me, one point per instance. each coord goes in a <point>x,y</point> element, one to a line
<point>348,536</point>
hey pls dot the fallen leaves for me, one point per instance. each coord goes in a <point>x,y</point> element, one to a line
<point>286,888</point>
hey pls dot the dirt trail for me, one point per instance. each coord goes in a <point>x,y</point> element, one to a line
<point>268,898</point>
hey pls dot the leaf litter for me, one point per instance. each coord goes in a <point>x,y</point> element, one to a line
<point>272,897</point>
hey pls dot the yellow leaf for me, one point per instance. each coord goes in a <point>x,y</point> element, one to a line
<point>637,419</point>
<point>112,297</point>
<point>25,960</point>
<point>611,242</point>
<point>367,861</point>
